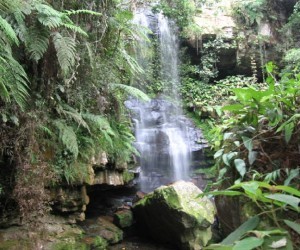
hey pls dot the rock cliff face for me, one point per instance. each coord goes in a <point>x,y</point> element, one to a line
<point>252,45</point>
<point>72,201</point>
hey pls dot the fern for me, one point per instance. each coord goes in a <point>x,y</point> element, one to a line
<point>6,5</point>
<point>67,136</point>
<point>97,121</point>
<point>76,12</point>
<point>13,79</point>
<point>74,28</point>
<point>37,41</point>
<point>134,67</point>
<point>131,91</point>
<point>7,31</point>
<point>70,112</point>
<point>65,50</point>
<point>4,94</point>
<point>48,16</point>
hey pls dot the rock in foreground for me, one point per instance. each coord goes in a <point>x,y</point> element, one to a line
<point>174,215</point>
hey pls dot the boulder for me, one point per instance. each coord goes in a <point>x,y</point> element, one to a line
<point>175,215</point>
<point>123,218</point>
<point>104,228</point>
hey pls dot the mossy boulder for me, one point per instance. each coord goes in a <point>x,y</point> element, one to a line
<point>123,218</point>
<point>176,215</point>
<point>105,229</point>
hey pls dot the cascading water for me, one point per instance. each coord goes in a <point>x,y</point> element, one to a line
<point>161,137</point>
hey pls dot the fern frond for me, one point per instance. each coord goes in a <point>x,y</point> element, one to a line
<point>131,91</point>
<point>20,27</point>
<point>4,94</point>
<point>8,31</point>
<point>88,12</point>
<point>134,67</point>
<point>48,16</point>
<point>74,28</point>
<point>7,5</point>
<point>68,137</point>
<point>97,121</point>
<point>14,79</point>
<point>37,41</point>
<point>65,50</point>
<point>45,130</point>
<point>72,113</point>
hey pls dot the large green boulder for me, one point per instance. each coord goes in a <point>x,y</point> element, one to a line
<point>176,215</point>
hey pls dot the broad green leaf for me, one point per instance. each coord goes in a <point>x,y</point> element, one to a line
<point>288,189</point>
<point>228,136</point>
<point>286,199</point>
<point>252,157</point>
<point>240,166</point>
<point>288,131</point>
<point>225,159</point>
<point>233,108</point>
<point>249,225</point>
<point>218,153</point>
<point>248,143</point>
<point>223,192</point>
<point>293,225</point>
<point>248,243</point>
<point>262,234</point>
<point>222,172</point>
<point>251,187</point>
<point>218,247</point>
<point>293,174</point>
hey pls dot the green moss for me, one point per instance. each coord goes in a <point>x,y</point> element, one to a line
<point>16,245</point>
<point>123,218</point>
<point>128,176</point>
<point>70,246</point>
<point>170,195</point>
<point>100,243</point>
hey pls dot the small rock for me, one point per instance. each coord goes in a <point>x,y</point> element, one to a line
<point>123,218</point>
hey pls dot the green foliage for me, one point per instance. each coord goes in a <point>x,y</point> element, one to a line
<point>207,99</point>
<point>65,49</point>
<point>180,10</point>
<point>272,201</point>
<point>250,12</point>
<point>210,57</point>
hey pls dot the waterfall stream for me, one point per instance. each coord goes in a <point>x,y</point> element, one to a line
<point>161,134</point>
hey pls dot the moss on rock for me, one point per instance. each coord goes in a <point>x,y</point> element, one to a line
<point>176,215</point>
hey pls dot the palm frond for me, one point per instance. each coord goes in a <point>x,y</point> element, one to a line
<point>130,91</point>
<point>65,50</point>
<point>68,137</point>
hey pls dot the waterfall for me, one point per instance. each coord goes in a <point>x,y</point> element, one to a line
<point>161,135</point>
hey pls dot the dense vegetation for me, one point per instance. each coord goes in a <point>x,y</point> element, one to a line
<point>65,72</point>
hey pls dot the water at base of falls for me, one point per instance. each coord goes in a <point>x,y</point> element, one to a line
<point>162,142</point>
